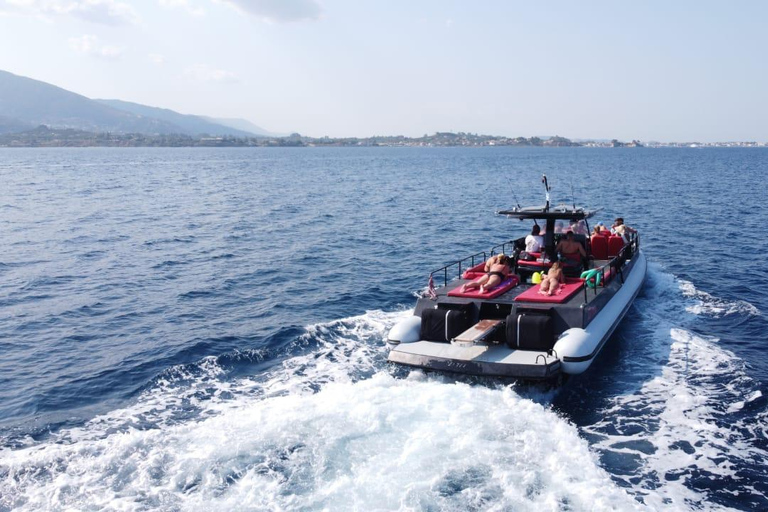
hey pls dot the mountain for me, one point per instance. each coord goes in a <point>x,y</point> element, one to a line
<point>244,125</point>
<point>189,124</point>
<point>26,103</point>
<point>34,103</point>
<point>12,125</point>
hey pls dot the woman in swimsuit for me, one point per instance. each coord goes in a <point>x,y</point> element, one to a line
<point>497,269</point>
<point>552,280</point>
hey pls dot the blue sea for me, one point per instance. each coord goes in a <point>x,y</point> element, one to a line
<point>204,329</point>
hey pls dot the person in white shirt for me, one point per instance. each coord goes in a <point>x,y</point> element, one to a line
<point>534,242</point>
<point>621,229</point>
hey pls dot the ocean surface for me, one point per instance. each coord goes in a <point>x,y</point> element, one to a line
<point>203,329</point>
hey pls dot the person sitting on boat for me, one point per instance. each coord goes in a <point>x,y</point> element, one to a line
<point>621,229</point>
<point>552,280</point>
<point>534,242</point>
<point>497,269</point>
<point>570,250</point>
<point>598,231</point>
<point>579,227</point>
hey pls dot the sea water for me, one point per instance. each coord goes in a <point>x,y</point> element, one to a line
<point>204,328</point>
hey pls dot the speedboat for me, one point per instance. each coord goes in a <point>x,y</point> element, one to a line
<point>512,329</point>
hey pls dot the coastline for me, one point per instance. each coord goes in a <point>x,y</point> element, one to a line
<point>44,136</point>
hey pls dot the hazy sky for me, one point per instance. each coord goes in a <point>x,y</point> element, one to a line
<point>665,70</point>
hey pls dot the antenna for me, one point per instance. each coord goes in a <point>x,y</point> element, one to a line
<point>573,196</point>
<point>512,187</point>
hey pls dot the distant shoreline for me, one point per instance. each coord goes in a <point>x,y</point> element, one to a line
<point>45,137</point>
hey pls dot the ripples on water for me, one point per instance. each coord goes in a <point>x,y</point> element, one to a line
<point>190,328</point>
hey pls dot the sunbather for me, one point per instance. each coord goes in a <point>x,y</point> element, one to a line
<point>497,270</point>
<point>552,280</point>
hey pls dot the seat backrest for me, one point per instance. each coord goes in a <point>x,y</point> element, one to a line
<point>600,247</point>
<point>615,244</point>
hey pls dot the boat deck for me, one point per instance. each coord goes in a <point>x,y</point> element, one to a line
<point>519,332</point>
<point>475,351</point>
<point>477,359</point>
<point>508,298</point>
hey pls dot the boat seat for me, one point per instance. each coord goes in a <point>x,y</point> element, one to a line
<point>600,247</point>
<point>615,245</point>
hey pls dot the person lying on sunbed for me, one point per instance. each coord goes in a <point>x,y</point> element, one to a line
<point>498,269</point>
<point>552,280</point>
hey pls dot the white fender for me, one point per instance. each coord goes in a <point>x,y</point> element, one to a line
<point>586,343</point>
<point>575,342</point>
<point>405,331</point>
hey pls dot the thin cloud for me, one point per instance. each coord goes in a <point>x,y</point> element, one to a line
<point>278,11</point>
<point>106,12</point>
<point>203,73</point>
<point>183,4</point>
<point>90,45</point>
<point>157,59</point>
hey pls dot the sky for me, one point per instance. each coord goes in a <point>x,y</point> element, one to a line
<point>654,70</point>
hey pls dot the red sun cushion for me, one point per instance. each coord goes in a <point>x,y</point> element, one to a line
<point>541,265</point>
<point>503,287</point>
<point>572,285</point>
<point>474,272</point>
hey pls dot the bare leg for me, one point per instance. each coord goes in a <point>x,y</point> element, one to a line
<point>553,283</point>
<point>473,285</point>
<point>544,285</point>
<point>492,282</point>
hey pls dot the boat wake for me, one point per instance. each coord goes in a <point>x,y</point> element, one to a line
<point>708,305</point>
<point>683,440</point>
<point>326,423</point>
<point>334,427</point>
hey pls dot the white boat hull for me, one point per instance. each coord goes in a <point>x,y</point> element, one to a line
<point>576,347</point>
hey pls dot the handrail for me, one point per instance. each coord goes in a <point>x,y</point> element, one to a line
<point>617,262</point>
<point>444,269</point>
<point>485,255</point>
<point>504,247</point>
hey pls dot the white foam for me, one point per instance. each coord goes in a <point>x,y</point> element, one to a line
<point>737,406</point>
<point>674,425</point>
<point>332,429</point>
<point>677,429</point>
<point>707,304</point>
<point>284,442</point>
<point>381,443</point>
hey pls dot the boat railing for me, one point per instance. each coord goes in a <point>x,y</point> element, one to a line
<point>616,264</point>
<point>472,260</point>
<point>459,264</point>
<point>507,248</point>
